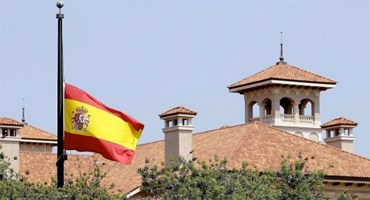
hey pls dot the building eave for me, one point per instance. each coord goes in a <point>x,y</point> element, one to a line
<point>347,179</point>
<point>172,116</point>
<point>133,192</point>
<point>53,142</point>
<point>240,89</point>
<point>11,126</point>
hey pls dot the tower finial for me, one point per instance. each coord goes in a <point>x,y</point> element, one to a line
<point>281,59</point>
<point>23,114</point>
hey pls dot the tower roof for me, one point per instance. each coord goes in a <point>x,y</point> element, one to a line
<point>339,121</point>
<point>27,131</point>
<point>282,72</point>
<point>10,122</point>
<point>31,132</point>
<point>178,110</point>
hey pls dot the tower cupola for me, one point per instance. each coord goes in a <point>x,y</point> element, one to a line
<point>10,139</point>
<point>286,97</point>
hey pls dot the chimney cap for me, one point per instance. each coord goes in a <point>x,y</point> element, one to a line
<point>339,121</point>
<point>178,110</point>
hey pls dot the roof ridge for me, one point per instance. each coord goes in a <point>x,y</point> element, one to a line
<point>252,75</point>
<point>241,141</point>
<point>111,169</point>
<point>312,73</point>
<point>341,118</point>
<point>223,127</point>
<point>13,120</point>
<point>39,130</point>
<point>276,70</point>
<point>149,143</point>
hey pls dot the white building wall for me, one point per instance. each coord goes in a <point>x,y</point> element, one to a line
<point>10,147</point>
<point>40,147</point>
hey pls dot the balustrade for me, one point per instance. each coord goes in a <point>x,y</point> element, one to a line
<point>303,119</point>
<point>287,119</point>
<point>267,119</point>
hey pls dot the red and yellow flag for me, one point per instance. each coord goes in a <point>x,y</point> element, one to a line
<point>92,126</point>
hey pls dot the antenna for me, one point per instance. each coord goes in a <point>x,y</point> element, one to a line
<point>281,58</point>
<point>23,114</point>
<point>281,37</point>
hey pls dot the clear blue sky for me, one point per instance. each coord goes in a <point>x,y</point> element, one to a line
<point>145,57</point>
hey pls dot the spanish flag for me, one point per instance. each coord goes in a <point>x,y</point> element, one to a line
<point>92,126</point>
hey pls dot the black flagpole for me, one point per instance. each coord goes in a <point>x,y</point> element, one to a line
<point>61,156</point>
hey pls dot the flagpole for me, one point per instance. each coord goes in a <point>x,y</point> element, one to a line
<point>60,125</point>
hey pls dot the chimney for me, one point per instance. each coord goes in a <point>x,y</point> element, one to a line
<point>339,133</point>
<point>178,130</point>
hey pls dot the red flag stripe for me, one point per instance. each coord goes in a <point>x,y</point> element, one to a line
<point>108,150</point>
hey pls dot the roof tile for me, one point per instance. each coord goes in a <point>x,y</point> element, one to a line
<point>283,72</point>
<point>27,131</point>
<point>339,121</point>
<point>41,165</point>
<point>178,110</point>
<point>9,121</point>
<point>31,132</point>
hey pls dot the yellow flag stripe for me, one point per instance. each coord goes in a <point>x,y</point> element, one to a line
<point>102,125</point>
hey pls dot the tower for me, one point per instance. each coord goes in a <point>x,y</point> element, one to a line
<point>339,133</point>
<point>10,140</point>
<point>286,97</point>
<point>178,130</point>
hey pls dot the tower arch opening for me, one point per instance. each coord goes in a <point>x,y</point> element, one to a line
<point>253,111</point>
<point>267,103</point>
<point>306,111</point>
<point>286,106</point>
<point>307,107</point>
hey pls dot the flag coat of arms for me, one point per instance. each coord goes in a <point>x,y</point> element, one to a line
<point>92,126</point>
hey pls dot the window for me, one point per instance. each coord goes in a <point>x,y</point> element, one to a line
<point>5,132</point>
<point>185,122</point>
<point>13,132</point>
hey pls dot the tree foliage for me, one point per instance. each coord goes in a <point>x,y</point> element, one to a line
<point>84,186</point>
<point>181,179</point>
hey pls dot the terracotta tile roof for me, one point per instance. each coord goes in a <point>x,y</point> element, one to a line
<point>339,121</point>
<point>27,131</point>
<point>258,144</point>
<point>42,166</point>
<point>283,72</point>
<point>178,110</point>
<point>31,132</point>
<point>9,121</point>
<point>261,145</point>
<point>129,179</point>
